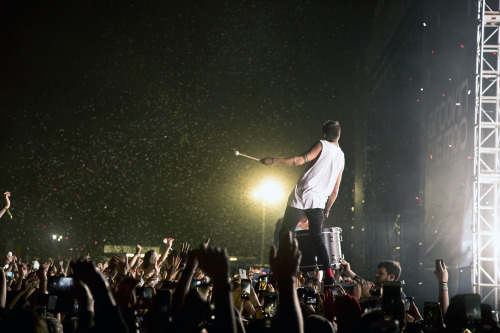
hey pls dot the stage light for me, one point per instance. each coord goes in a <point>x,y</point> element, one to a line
<point>54,237</point>
<point>269,191</point>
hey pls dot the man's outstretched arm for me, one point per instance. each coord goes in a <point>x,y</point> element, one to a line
<point>310,155</point>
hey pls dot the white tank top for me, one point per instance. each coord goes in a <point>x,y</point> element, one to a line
<point>318,180</point>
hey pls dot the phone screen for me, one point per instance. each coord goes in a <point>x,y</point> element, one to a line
<point>263,280</point>
<point>391,298</point>
<point>473,307</point>
<point>196,283</point>
<point>432,315</point>
<point>270,304</point>
<point>301,293</point>
<point>245,288</point>
<point>408,302</point>
<point>60,284</point>
<point>144,297</point>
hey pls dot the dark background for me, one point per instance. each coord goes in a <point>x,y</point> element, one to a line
<point>119,119</point>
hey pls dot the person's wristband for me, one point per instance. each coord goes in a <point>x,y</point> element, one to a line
<point>443,286</point>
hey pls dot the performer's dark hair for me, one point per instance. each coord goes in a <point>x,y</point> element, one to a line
<point>392,267</point>
<point>332,130</point>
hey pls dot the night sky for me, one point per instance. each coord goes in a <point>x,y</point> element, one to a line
<point>119,119</point>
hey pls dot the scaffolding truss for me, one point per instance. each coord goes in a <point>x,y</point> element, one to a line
<point>486,224</point>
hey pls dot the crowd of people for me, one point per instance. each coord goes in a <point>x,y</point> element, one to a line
<point>193,290</point>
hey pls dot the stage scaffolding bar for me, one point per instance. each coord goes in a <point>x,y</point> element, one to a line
<point>486,192</point>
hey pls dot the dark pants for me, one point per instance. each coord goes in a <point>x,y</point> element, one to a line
<point>315,217</point>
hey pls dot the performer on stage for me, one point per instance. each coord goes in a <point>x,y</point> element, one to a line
<point>316,189</point>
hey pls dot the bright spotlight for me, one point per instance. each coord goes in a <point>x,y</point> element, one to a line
<point>271,191</point>
<point>54,236</point>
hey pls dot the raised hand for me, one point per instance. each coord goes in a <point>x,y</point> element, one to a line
<point>442,274</point>
<point>168,241</point>
<point>366,286</point>
<point>214,262</point>
<point>7,199</point>
<point>184,249</point>
<point>88,273</point>
<point>285,262</point>
<point>173,267</point>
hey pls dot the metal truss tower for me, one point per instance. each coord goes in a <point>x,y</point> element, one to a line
<point>486,205</point>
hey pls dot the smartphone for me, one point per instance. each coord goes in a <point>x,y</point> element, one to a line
<point>245,288</point>
<point>439,263</point>
<point>144,296</point>
<point>60,284</point>
<point>162,300</point>
<point>9,254</point>
<point>311,298</point>
<point>408,303</point>
<point>196,283</point>
<point>432,315</point>
<point>270,304</point>
<point>36,265</point>
<point>391,298</point>
<point>263,280</point>
<point>301,293</point>
<point>10,274</point>
<point>473,307</point>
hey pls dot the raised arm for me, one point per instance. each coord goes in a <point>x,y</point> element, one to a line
<point>214,261</point>
<point>333,195</point>
<point>3,288</point>
<point>136,256</point>
<point>168,242</point>
<point>310,155</point>
<point>285,264</point>
<point>7,204</point>
<point>442,277</point>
